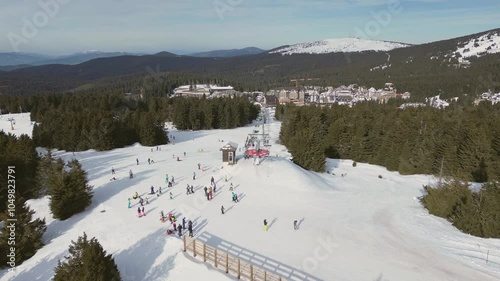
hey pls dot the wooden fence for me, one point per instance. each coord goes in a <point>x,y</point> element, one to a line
<point>224,261</point>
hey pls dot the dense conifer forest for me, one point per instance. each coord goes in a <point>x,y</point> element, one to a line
<point>464,141</point>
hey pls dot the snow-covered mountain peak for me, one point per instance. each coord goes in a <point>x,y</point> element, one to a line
<point>340,45</point>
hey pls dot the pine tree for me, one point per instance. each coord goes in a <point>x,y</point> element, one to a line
<point>29,233</point>
<point>70,192</point>
<point>43,172</point>
<point>87,260</point>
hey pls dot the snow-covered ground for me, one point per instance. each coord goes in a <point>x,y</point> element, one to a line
<point>488,43</point>
<point>22,124</point>
<point>339,45</point>
<point>352,227</point>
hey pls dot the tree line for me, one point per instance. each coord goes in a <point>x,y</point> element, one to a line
<point>475,213</point>
<point>463,142</point>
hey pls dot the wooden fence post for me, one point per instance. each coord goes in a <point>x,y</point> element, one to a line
<point>239,271</point>
<point>227,262</point>
<point>204,252</point>
<point>215,258</point>
<point>194,248</point>
<point>265,275</point>
<point>251,272</point>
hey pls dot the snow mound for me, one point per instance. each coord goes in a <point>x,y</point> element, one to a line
<point>345,45</point>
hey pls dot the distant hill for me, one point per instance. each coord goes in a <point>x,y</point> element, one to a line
<point>21,58</point>
<point>424,70</point>
<point>10,61</point>
<point>80,57</point>
<point>14,67</point>
<point>165,54</point>
<point>344,45</point>
<point>229,53</point>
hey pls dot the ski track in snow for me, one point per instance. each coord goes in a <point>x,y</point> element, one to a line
<point>356,227</point>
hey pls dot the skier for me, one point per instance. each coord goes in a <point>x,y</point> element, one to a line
<point>152,190</point>
<point>112,170</point>
<point>212,181</point>
<point>236,198</point>
<point>173,179</point>
<point>159,192</point>
<point>225,178</point>
<point>208,196</point>
<point>169,184</point>
<point>178,158</point>
<point>180,230</point>
<point>199,166</point>
<point>184,222</point>
<point>171,197</point>
<point>139,211</point>
<point>131,174</point>
<point>187,190</point>
<point>194,175</point>
<point>135,195</point>
<point>147,200</point>
<point>143,213</point>
<point>152,160</point>
<point>206,190</point>
<point>137,160</point>
<point>295,226</point>
<point>231,187</point>
<point>141,201</point>
<point>149,161</point>
<point>184,154</point>
<point>215,188</point>
<point>174,225</point>
<point>265,225</point>
<point>192,189</point>
<point>232,196</point>
<point>166,178</point>
<point>222,209</point>
<point>190,229</point>
<point>129,204</point>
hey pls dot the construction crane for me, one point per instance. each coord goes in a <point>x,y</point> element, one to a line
<point>302,79</point>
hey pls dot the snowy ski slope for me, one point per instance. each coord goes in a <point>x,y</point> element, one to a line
<point>352,227</point>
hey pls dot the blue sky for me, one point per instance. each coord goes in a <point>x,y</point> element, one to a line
<point>69,26</point>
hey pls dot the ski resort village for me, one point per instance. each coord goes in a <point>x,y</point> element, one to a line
<point>315,95</point>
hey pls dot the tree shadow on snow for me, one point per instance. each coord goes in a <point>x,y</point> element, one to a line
<point>42,271</point>
<point>136,262</point>
<point>266,263</point>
